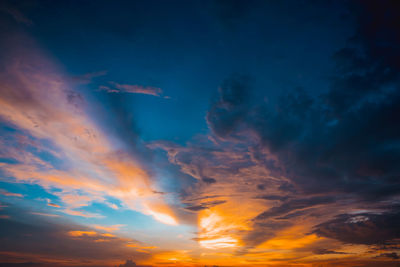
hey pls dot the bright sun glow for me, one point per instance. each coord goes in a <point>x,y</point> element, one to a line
<point>213,233</point>
<point>164,218</point>
<point>222,242</point>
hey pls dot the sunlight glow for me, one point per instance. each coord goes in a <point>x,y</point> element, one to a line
<point>222,242</point>
<point>214,232</point>
<point>162,217</point>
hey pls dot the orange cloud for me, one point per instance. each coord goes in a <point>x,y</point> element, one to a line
<point>82,233</point>
<point>111,228</point>
<point>53,205</point>
<point>108,235</point>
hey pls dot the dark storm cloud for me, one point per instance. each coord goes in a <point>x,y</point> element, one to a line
<point>327,251</point>
<point>294,205</point>
<point>205,205</point>
<point>366,228</point>
<point>345,140</point>
<point>392,255</point>
<point>231,109</point>
<point>273,197</point>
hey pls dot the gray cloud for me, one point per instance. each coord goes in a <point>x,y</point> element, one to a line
<point>294,205</point>
<point>205,205</point>
<point>365,228</point>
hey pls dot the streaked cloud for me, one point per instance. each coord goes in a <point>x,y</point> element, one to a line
<point>45,214</point>
<point>81,233</point>
<point>10,194</point>
<point>131,89</point>
<point>110,228</point>
<point>87,77</point>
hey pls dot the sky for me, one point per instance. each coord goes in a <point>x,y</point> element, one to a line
<point>199,133</point>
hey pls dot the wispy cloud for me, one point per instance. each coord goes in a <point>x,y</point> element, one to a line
<point>53,205</point>
<point>132,89</point>
<point>9,194</point>
<point>87,77</point>
<point>110,228</point>
<point>45,214</point>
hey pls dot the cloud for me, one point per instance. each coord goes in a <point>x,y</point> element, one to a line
<point>227,207</point>
<point>87,77</point>
<point>392,255</point>
<point>131,89</point>
<point>53,205</point>
<point>294,205</point>
<point>205,205</point>
<point>82,233</point>
<point>314,137</point>
<point>323,144</point>
<point>128,263</point>
<point>364,228</point>
<point>327,251</point>
<point>110,228</point>
<point>230,110</point>
<point>9,194</point>
<point>45,214</point>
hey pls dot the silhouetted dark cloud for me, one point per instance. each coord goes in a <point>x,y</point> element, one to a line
<point>293,205</point>
<point>392,255</point>
<point>344,140</point>
<point>363,228</point>
<point>205,205</point>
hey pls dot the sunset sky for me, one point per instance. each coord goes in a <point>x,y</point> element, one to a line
<point>199,133</point>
